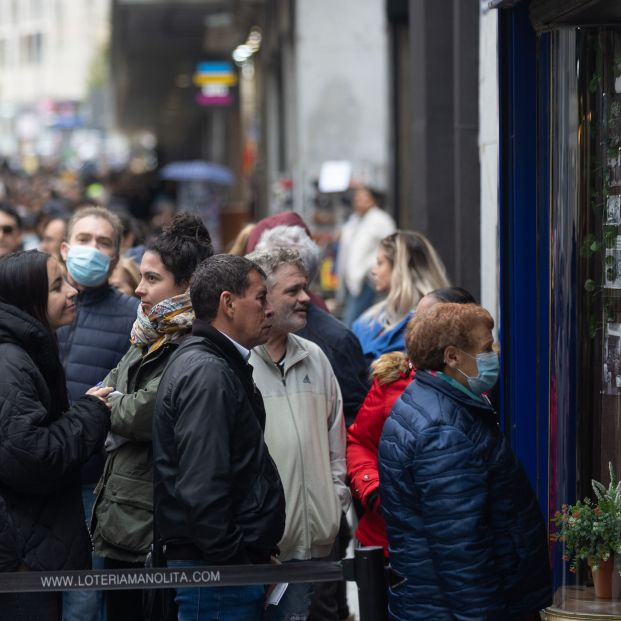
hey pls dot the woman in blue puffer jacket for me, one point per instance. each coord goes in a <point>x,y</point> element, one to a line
<point>467,538</point>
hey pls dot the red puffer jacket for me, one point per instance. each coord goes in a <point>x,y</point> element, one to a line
<point>391,375</point>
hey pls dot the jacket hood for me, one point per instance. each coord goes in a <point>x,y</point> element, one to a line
<point>390,367</point>
<point>375,339</point>
<point>22,329</point>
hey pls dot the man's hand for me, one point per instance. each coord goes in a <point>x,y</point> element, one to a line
<point>101,392</point>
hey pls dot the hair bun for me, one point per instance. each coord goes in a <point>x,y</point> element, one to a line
<point>188,225</point>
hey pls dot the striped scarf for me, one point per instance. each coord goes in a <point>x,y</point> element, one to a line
<point>166,320</point>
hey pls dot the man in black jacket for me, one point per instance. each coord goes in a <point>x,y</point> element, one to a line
<point>217,494</point>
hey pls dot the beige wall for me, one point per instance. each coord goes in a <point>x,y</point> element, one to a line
<point>71,32</point>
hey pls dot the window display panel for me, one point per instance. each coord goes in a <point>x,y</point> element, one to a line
<point>585,382</point>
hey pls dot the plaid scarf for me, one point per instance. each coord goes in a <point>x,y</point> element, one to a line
<point>166,320</point>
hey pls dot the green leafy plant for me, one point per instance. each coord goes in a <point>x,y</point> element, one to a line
<point>591,529</point>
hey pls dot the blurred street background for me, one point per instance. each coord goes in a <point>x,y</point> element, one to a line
<point>243,108</point>
<point>493,127</point>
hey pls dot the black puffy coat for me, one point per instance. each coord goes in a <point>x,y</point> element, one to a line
<point>217,492</point>
<point>42,524</point>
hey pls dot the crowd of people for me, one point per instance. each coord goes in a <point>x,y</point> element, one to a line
<point>156,396</point>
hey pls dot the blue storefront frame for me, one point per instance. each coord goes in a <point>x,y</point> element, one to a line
<point>524,241</point>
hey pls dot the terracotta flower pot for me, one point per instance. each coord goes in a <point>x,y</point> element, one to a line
<point>616,578</point>
<point>602,578</point>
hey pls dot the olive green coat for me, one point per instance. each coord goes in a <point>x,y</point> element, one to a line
<point>122,521</point>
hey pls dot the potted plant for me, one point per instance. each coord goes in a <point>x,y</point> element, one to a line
<point>591,530</point>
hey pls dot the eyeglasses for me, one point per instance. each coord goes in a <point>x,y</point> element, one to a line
<point>7,229</point>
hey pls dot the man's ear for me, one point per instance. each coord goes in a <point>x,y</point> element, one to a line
<point>227,304</point>
<point>451,356</point>
<point>113,263</point>
<point>64,250</point>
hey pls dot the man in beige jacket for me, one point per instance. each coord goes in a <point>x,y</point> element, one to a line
<point>305,430</point>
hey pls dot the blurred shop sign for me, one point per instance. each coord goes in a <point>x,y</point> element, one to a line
<point>335,176</point>
<point>60,114</point>
<point>215,79</point>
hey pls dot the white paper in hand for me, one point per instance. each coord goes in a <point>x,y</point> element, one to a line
<point>276,593</point>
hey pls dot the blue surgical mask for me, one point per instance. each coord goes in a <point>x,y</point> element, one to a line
<point>488,366</point>
<point>87,266</point>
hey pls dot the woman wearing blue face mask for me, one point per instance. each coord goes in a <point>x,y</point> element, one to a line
<point>467,538</point>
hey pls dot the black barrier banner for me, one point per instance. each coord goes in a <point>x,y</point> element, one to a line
<point>167,578</point>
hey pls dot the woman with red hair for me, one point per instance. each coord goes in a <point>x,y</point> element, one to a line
<point>466,536</point>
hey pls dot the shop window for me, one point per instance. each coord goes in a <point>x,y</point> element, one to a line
<point>585,204</point>
<point>24,49</point>
<point>37,48</point>
<point>31,49</point>
<point>599,110</point>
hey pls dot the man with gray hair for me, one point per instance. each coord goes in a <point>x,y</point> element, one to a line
<point>343,350</point>
<point>336,341</point>
<point>305,429</point>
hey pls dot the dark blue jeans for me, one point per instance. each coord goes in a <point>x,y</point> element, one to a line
<point>30,606</point>
<point>85,605</point>
<point>294,605</point>
<point>233,603</point>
